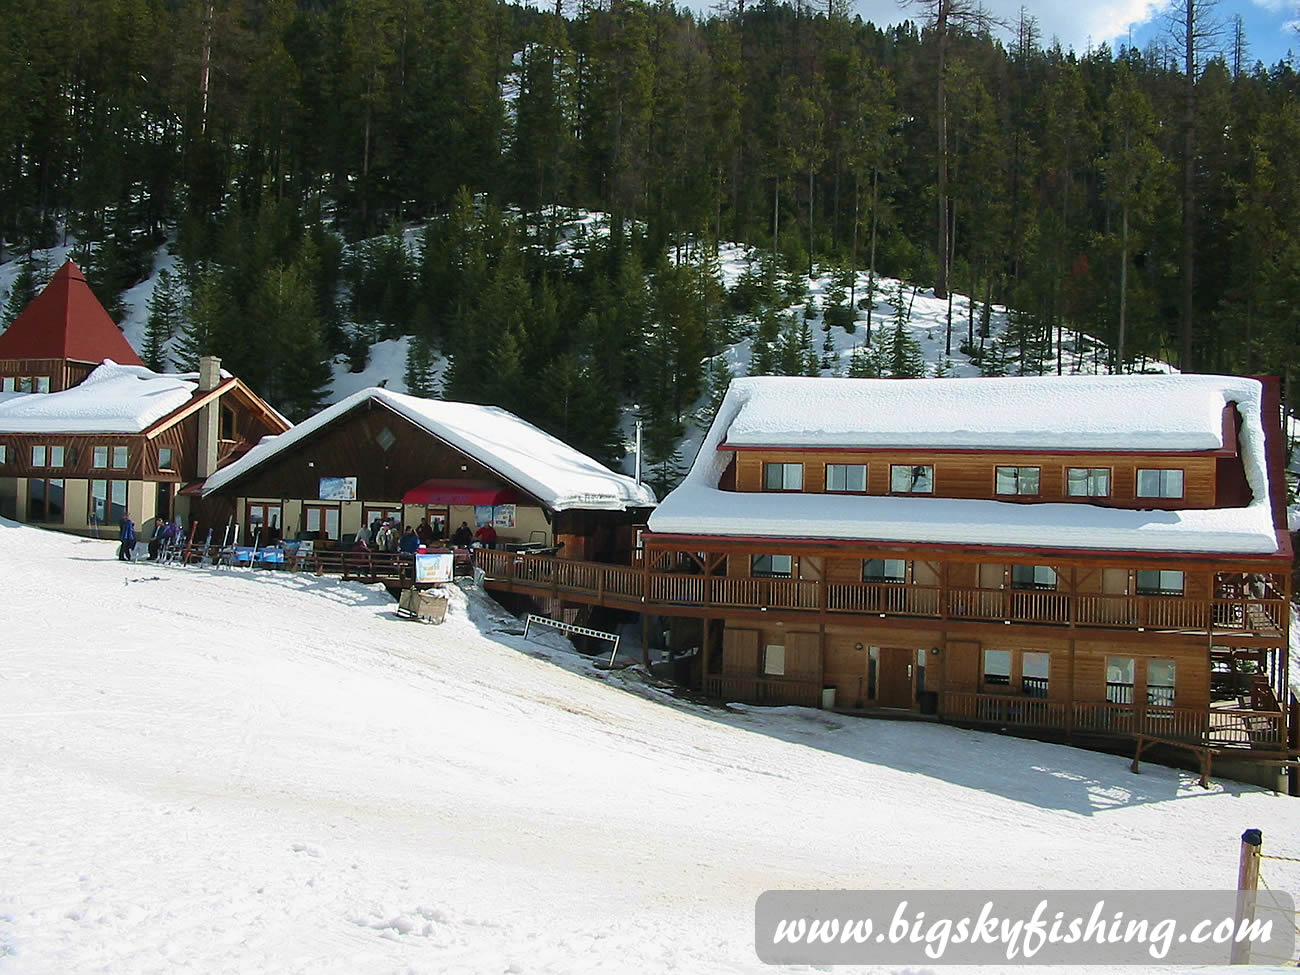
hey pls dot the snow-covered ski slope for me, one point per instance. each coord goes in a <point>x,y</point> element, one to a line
<point>232,771</point>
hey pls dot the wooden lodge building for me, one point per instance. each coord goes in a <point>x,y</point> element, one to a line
<point>387,455</point>
<point>1072,556</point>
<point>87,433</point>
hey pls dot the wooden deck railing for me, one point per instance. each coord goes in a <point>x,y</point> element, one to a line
<point>755,690</point>
<point>1216,727</point>
<point>633,584</point>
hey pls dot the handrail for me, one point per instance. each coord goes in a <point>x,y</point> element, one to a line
<point>637,583</point>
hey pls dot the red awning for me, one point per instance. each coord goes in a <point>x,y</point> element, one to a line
<point>451,490</point>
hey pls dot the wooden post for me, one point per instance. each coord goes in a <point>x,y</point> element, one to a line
<point>1247,885</point>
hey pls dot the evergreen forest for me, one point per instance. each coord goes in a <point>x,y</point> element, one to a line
<point>285,149</point>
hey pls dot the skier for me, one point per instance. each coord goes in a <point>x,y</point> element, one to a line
<point>127,536</point>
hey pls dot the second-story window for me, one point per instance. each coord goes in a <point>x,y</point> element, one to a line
<point>1159,582</point>
<point>100,458</point>
<point>783,477</point>
<point>164,458</point>
<point>884,570</point>
<point>1033,577</point>
<point>1087,482</point>
<point>119,458</point>
<point>911,479</point>
<point>1159,483</point>
<point>772,566</point>
<point>38,456</point>
<point>1017,480</point>
<point>846,477</point>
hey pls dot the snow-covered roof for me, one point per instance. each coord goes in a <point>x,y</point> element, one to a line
<point>112,399</point>
<point>1130,413</point>
<point>779,410</point>
<point>549,469</point>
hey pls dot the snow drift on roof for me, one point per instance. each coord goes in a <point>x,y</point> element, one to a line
<point>112,399</point>
<point>1143,413</point>
<point>549,469</point>
<point>698,507</point>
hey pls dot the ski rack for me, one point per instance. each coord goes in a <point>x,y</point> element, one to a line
<point>574,628</point>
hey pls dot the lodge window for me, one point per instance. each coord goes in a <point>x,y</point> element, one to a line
<point>164,458</point>
<point>264,521</point>
<point>884,570</point>
<point>846,477</point>
<point>107,502</point>
<point>1087,482</point>
<point>45,500</point>
<point>772,566</point>
<point>1160,682</point>
<point>44,455</point>
<point>42,384</point>
<point>119,458</point>
<point>774,659</point>
<point>997,668</point>
<point>911,479</point>
<point>8,385</point>
<point>1033,577</point>
<point>783,477</point>
<point>1159,483</point>
<point>100,458</point>
<point>4,454</point>
<point>1035,671</point>
<point>1017,480</point>
<point>1159,582</point>
<point>227,423</point>
<point>322,519</point>
<point>1119,680</point>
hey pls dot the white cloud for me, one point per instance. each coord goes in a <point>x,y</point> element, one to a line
<point>1074,24</point>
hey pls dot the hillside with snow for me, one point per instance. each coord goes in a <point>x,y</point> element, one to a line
<point>927,323</point>
<point>270,773</point>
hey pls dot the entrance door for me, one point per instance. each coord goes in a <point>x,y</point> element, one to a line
<point>894,683</point>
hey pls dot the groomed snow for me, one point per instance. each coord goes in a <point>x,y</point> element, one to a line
<point>780,411</point>
<point>1130,412</point>
<point>112,399</point>
<point>248,772</point>
<point>550,470</point>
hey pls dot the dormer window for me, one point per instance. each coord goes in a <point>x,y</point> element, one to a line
<point>783,477</point>
<point>911,479</point>
<point>1159,483</point>
<point>164,458</point>
<point>1017,480</point>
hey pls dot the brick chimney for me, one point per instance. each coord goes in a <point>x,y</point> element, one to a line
<point>209,417</point>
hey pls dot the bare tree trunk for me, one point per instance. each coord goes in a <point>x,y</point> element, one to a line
<point>941,122</point>
<point>205,67</point>
<point>871,266</point>
<point>1123,291</point>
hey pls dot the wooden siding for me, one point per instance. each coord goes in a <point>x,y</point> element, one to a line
<point>972,475</point>
<point>350,447</point>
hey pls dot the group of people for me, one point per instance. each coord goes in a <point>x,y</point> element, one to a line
<point>462,537</point>
<point>164,533</point>
<point>386,535</point>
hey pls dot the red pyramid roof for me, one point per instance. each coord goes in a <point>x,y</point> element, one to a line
<point>66,321</point>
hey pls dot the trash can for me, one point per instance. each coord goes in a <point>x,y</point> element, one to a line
<point>828,698</point>
<point>929,702</point>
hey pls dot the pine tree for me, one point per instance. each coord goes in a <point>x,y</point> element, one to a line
<point>206,310</point>
<point>164,319</point>
<point>420,364</point>
<point>24,289</point>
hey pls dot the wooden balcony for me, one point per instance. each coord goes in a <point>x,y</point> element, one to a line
<point>635,586</point>
<point>756,690</point>
<point>1242,728</point>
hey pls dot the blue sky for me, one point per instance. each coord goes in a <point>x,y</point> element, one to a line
<point>1270,33</point>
